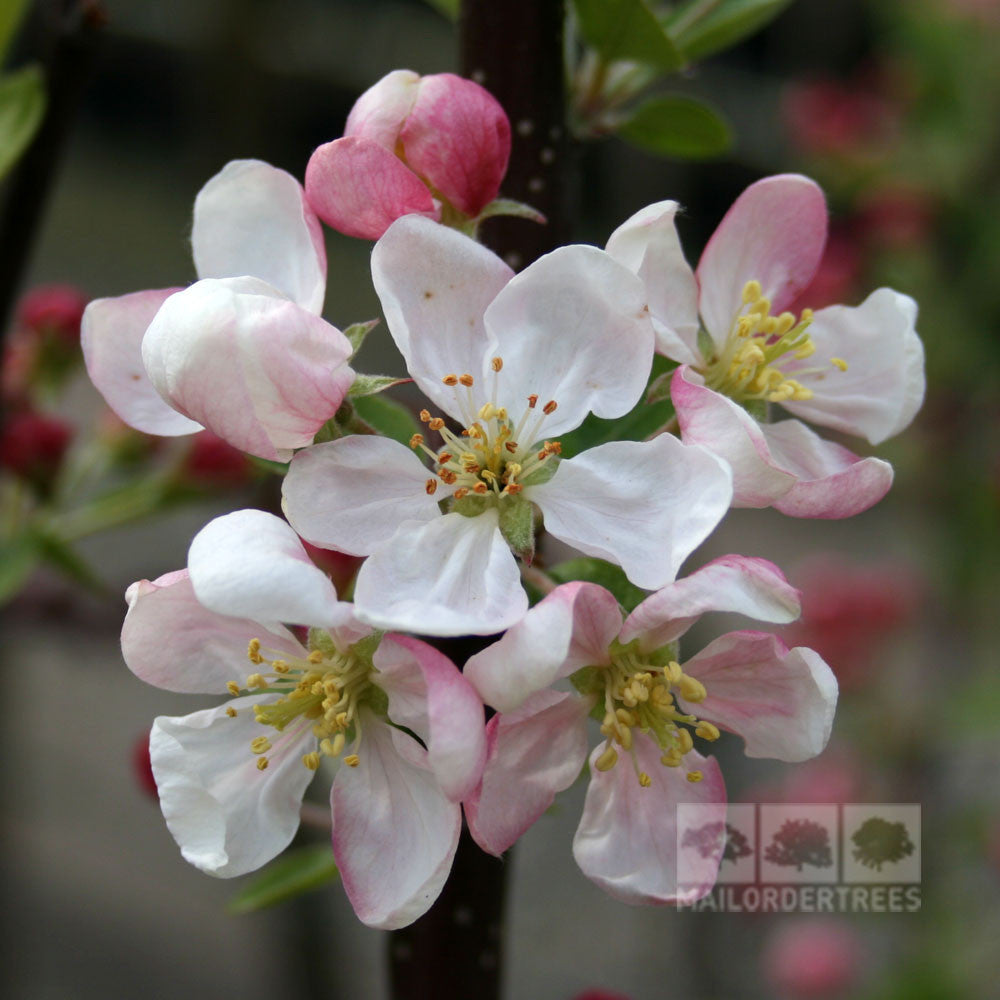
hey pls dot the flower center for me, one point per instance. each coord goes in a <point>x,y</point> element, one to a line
<point>493,454</point>
<point>759,345</point>
<point>640,695</point>
<point>321,692</point>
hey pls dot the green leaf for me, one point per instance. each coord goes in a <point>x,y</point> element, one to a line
<point>299,870</point>
<point>18,557</point>
<point>626,29</point>
<point>606,574</point>
<point>59,554</point>
<point>514,209</point>
<point>371,385</point>
<point>388,417</point>
<point>357,332</point>
<point>719,25</point>
<point>447,7</point>
<point>11,13</point>
<point>22,107</point>
<point>677,126</point>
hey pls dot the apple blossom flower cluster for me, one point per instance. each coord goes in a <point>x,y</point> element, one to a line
<point>445,526</point>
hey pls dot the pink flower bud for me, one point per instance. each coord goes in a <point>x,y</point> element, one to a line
<point>830,118</point>
<point>142,769</point>
<point>215,463</point>
<point>53,309</point>
<point>410,144</point>
<point>32,445</point>
<point>812,959</point>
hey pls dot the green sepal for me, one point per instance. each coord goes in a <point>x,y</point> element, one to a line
<point>376,700</point>
<point>542,474</point>
<point>517,525</point>
<point>659,388</point>
<point>677,126</point>
<point>299,870</point>
<point>268,465</point>
<point>472,505</point>
<point>626,29</point>
<point>722,25</point>
<point>509,208</point>
<point>364,649</point>
<point>22,107</point>
<point>387,417</point>
<point>706,346</point>
<point>589,680</point>
<point>321,640</point>
<point>357,332</point>
<point>372,385</point>
<point>758,409</point>
<point>605,574</point>
<point>669,653</point>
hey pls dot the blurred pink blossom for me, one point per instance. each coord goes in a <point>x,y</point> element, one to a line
<point>811,959</point>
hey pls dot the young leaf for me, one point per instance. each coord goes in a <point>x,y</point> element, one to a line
<point>299,870</point>
<point>606,574</point>
<point>22,106</point>
<point>509,208</point>
<point>626,29</point>
<point>18,557</point>
<point>11,12</point>
<point>357,332</point>
<point>673,125</point>
<point>387,417</point>
<point>720,26</point>
<point>371,385</point>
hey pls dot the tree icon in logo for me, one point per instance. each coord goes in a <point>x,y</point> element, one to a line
<point>705,840</point>
<point>800,842</point>
<point>878,841</point>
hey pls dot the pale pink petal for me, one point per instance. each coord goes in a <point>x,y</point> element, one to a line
<point>643,505</point>
<point>434,285</point>
<point>252,219</point>
<point>780,701</point>
<point>737,584</point>
<point>457,137</point>
<point>228,817</point>
<point>251,564</point>
<point>648,245</point>
<point>710,419</point>
<point>626,842</point>
<point>378,114</point>
<point>172,640</point>
<point>774,233</point>
<point>883,386</point>
<point>111,337</point>
<point>394,831</point>
<point>428,694</point>
<point>252,366</point>
<point>359,188</point>
<point>568,629</point>
<point>454,575</point>
<point>832,481</point>
<point>574,328</point>
<point>534,753</point>
<point>353,493</point>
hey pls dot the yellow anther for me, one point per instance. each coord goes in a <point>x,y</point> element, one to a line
<point>489,475</point>
<point>436,424</point>
<point>673,673</point>
<point>315,656</point>
<point>461,492</point>
<point>262,763</point>
<point>513,470</point>
<point>232,687</point>
<point>496,364</point>
<point>337,747</point>
<point>607,760</point>
<point>513,488</point>
<point>691,688</point>
<point>352,760</point>
<point>839,363</point>
<point>694,777</point>
<point>501,414</point>
<point>467,380</point>
<point>416,441</point>
<point>806,316</point>
<point>311,760</point>
<point>486,411</point>
<point>231,712</point>
<point>684,742</point>
<point>762,307</point>
<point>447,476</point>
<point>752,291</point>
<point>260,744</point>
<point>430,487</point>
<point>629,698</point>
<point>480,488</point>
<point>784,323</point>
<point>425,416</point>
<point>450,380</point>
<point>624,716</point>
<point>342,720</point>
<point>707,731</point>
<point>253,651</point>
<point>644,779</point>
<point>256,681</point>
<point>280,666</point>
<point>807,350</point>
<point>624,737</point>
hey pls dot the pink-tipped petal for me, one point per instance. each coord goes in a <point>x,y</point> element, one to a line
<point>252,366</point>
<point>435,285</point>
<point>428,694</point>
<point>883,386</point>
<point>360,188</point>
<point>378,114</point>
<point>626,842</point>
<point>394,831</point>
<point>833,482</point>
<point>710,419</point>
<point>780,701</point>
<point>737,584</point>
<point>648,245</point>
<point>570,628</point>
<point>774,233</point>
<point>251,564</point>
<point>574,328</point>
<point>252,219</point>
<point>111,337</point>
<point>534,753</point>
<point>353,493</point>
<point>454,575</point>
<point>457,137</point>
<point>643,505</point>
<point>170,639</point>
<point>228,817</point>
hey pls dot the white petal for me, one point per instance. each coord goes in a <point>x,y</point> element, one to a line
<point>252,219</point>
<point>227,817</point>
<point>172,640</point>
<point>434,285</point>
<point>570,628</point>
<point>352,494</point>
<point>648,245</point>
<point>574,328</point>
<point>454,575</point>
<point>251,564</point>
<point>111,335</point>
<point>643,505</point>
<point>780,701</point>
<point>394,831</point>
<point>883,386</point>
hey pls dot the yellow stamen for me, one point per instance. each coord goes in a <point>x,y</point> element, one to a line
<point>262,763</point>
<point>231,712</point>
<point>311,760</point>
<point>232,687</point>
<point>253,651</point>
<point>839,363</point>
<point>607,760</point>
<point>352,760</point>
<point>694,777</point>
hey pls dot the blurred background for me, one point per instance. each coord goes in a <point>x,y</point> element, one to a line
<point>894,107</point>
